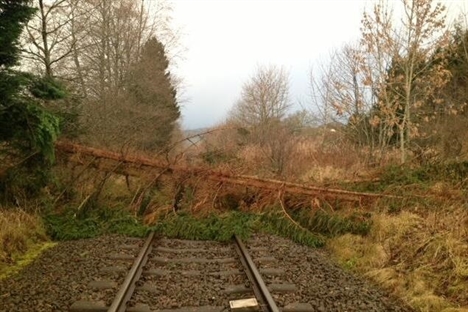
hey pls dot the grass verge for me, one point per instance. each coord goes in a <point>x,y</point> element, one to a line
<point>22,239</point>
<point>22,260</point>
<point>424,261</point>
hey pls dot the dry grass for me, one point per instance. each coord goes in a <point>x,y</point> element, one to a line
<point>423,260</point>
<point>309,161</point>
<point>22,236</point>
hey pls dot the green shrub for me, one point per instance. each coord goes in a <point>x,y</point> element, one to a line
<point>214,227</point>
<point>276,223</point>
<point>223,227</point>
<point>333,224</point>
<point>69,225</point>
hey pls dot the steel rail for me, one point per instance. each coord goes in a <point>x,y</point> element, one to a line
<point>261,291</point>
<point>126,290</point>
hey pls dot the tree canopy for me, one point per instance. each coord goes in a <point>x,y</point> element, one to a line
<point>154,96</point>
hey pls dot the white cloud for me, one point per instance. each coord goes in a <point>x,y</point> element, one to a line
<point>226,39</point>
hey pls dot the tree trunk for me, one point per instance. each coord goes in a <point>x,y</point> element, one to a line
<point>48,69</point>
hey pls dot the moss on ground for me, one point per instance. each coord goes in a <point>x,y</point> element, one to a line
<point>22,239</point>
<point>19,261</point>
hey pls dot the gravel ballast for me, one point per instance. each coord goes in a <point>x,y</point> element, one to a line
<point>318,280</point>
<point>62,274</point>
<point>191,274</point>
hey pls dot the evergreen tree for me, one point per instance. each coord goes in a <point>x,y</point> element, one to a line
<point>27,131</point>
<point>13,16</point>
<point>153,97</point>
<point>456,91</point>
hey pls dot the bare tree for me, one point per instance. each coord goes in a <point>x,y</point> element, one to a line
<point>50,37</point>
<point>261,111</point>
<point>264,98</point>
<point>339,92</point>
<point>110,35</point>
<point>116,32</point>
<point>378,87</point>
<point>94,45</point>
<point>94,42</point>
<point>400,65</point>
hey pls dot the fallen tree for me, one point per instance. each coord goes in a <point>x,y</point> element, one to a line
<point>134,166</point>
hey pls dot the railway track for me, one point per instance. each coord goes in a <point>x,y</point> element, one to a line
<point>214,277</point>
<point>86,275</point>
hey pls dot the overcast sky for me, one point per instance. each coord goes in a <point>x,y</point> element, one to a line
<point>227,39</point>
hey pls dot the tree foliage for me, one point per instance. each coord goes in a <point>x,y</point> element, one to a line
<point>153,97</point>
<point>456,91</point>
<point>97,47</point>
<point>28,131</point>
<point>13,16</point>
<point>387,85</point>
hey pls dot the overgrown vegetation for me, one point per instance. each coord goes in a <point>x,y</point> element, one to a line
<point>101,221</point>
<point>22,237</point>
<point>333,224</point>
<point>391,119</point>
<point>222,227</point>
<point>219,226</point>
<point>422,260</point>
<point>212,227</point>
<point>28,131</point>
<point>276,223</point>
<point>431,184</point>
